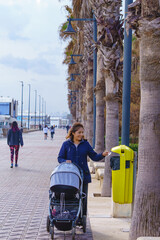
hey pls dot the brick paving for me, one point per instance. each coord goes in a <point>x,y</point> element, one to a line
<point>24,190</point>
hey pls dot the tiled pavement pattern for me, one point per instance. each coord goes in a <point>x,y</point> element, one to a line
<point>24,190</point>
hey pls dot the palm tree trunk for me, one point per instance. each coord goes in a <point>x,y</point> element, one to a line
<point>100,105</point>
<point>112,136</point>
<point>89,98</point>
<point>110,44</point>
<point>83,109</point>
<point>146,214</point>
<point>77,107</point>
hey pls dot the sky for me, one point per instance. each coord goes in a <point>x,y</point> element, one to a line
<point>31,51</point>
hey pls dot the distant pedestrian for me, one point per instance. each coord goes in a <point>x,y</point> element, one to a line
<point>52,130</point>
<point>45,131</point>
<point>14,140</point>
<point>67,128</point>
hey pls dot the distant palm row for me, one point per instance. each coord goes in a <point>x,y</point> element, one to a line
<point>144,18</point>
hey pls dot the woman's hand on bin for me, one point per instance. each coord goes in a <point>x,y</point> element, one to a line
<point>68,161</point>
<point>105,153</point>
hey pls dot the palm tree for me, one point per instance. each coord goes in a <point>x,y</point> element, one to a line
<point>86,68</point>
<point>144,17</point>
<point>76,46</point>
<point>110,45</point>
<point>100,104</point>
<point>89,98</point>
<point>83,46</point>
<point>68,51</point>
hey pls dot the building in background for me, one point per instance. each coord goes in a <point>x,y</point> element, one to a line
<point>61,121</point>
<point>34,121</point>
<point>8,107</point>
<point>8,113</point>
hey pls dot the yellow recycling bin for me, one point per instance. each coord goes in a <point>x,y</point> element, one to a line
<point>122,174</point>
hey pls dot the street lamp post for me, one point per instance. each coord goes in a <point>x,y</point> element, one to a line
<point>29,105</point>
<point>42,110</point>
<point>70,30</point>
<point>45,112</point>
<point>22,106</point>
<point>35,106</point>
<point>126,81</point>
<point>39,110</point>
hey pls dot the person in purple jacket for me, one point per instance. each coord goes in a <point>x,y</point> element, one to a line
<point>75,150</point>
<point>14,140</point>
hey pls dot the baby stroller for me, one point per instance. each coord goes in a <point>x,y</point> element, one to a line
<point>65,195</point>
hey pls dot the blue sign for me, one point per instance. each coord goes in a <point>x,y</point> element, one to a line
<point>4,108</point>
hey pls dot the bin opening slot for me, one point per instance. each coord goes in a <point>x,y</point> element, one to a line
<point>115,162</point>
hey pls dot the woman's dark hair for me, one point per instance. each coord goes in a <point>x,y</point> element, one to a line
<point>15,126</point>
<point>75,127</point>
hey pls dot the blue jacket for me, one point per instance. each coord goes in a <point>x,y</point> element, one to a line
<point>78,155</point>
<point>14,138</point>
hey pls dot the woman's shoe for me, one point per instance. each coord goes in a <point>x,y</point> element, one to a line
<point>16,165</point>
<point>11,165</point>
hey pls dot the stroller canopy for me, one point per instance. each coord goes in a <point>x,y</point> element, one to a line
<point>65,177</point>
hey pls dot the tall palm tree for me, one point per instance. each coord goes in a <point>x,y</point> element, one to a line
<point>87,67</point>
<point>80,44</point>
<point>89,98</point>
<point>144,17</point>
<point>110,45</point>
<point>71,69</point>
<point>81,10</point>
<point>100,104</point>
<point>76,46</point>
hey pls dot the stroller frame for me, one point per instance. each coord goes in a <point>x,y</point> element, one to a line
<point>79,219</point>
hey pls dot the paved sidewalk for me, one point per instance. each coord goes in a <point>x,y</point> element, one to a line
<point>103,226</point>
<point>24,190</point>
<point>24,195</point>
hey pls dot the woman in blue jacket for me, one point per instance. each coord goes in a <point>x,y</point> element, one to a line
<point>14,139</point>
<point>75,150</point>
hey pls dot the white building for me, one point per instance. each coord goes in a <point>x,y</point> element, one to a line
<point>8,113</point>
<point>58,121</point>
<point>32,121</point>
<point>8,107</point>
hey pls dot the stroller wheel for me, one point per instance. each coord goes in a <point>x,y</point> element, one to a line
<point>48,224</point>
<point>84,223</point>
<point>52,232</point>
<point>73,233</point>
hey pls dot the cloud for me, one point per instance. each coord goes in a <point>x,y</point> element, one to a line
<point>13,22</point>
<point>31,50</point>
<point>38,1</point>
<point>36,65</point>
<point>13,36</point>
